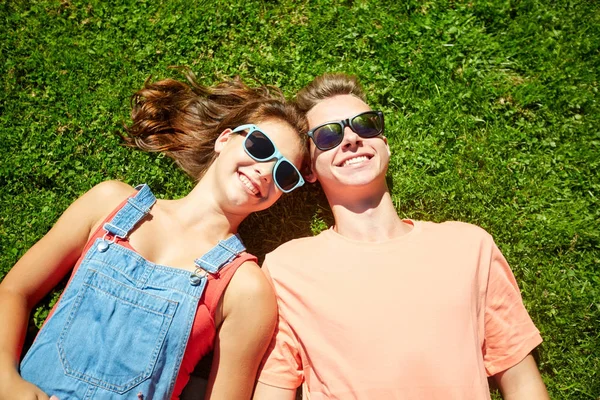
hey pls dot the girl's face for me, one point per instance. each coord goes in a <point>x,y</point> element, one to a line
<point>246,184</point>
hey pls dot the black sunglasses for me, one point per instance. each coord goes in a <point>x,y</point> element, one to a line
<point>329,135</point>
<point>261,148</point>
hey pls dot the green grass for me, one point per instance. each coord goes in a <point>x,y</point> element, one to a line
<point>491,110</point>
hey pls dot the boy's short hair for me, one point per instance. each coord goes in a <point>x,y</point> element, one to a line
<point>326,86</point>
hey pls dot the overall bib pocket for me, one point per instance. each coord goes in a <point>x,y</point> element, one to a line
<point>114,333</point>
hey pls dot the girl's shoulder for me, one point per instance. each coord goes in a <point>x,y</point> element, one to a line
<point>101,200</point>
<point>250,293</point>
<point>249,281</point>
<point>111,190</point>
<point>248,309</point>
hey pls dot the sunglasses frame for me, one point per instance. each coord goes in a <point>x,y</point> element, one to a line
<point>250,128</point>
<point>347,123</point>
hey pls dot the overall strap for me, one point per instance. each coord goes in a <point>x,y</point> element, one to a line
<point>136,208</point>
<point>216,258</point>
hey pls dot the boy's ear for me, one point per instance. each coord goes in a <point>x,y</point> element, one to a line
<point>222,140</point>
<point>308,170</point>
<point>309,175</point>
<point>387,145</point>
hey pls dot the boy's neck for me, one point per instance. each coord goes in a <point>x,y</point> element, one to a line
<point>366,215</point>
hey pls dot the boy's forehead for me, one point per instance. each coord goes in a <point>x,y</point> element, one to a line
<point>335,108</point>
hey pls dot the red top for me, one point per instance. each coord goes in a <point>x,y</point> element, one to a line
<point>202,336</point>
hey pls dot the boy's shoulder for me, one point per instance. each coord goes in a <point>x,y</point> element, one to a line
<point>300,244</point>
<point>299,249</point>
<point>455,228</point>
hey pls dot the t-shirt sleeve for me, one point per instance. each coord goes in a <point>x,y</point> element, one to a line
<point>510,334</point>
<point>281,365</point>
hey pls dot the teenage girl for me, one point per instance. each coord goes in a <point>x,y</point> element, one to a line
<point>156,284</point>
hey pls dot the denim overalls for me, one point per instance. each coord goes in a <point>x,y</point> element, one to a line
<point>122,324</point>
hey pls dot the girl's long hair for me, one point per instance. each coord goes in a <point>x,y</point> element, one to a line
<point>183,120</point>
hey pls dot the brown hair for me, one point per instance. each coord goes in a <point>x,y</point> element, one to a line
<point>326,86</point>
<point>183,120</point>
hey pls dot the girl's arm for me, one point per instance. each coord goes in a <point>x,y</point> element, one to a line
<point>43,267</point>
<point>266,392</point>
<point>249,319</point>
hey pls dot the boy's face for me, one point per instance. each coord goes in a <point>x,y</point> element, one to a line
<point>357,161</point>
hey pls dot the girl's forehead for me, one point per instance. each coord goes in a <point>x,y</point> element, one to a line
<point>284,135</point>
<point>277,130</point>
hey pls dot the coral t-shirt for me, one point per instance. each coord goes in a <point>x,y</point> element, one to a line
<point>428,315</point>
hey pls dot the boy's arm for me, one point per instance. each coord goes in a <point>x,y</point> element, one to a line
<point>522,381</point>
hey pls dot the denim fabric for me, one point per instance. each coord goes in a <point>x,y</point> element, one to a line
<point>122,324</point>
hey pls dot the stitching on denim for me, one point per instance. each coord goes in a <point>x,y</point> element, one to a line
<point>128,302</point>
<point>111,266</point>
<point>176,272</point>
<point>165,285</point>
<point>120,267</point>
<point>167,321</point>
<point>209,264</point>
<point>66,327</point>
<point>156,353</point>
<point>216,255</point>
<point>184,276</point>
<point>90,392</point>
<point>222,244</point>
<point>163,268</point>
<point>140,292</point>
<point>190,321</point>
<point>81,287</point>
<point>59,305</point>
<point>116,228</point>
<point>120,389</point>
<point>141,208</point>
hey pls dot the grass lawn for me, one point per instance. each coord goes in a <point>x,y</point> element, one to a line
<point>491,111</point>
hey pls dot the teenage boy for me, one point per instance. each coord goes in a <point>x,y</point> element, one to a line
<point>382,308</point>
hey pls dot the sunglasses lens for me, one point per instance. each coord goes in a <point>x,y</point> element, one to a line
<point>368,124</point>
<point>328,136</point>
<point>259,146</point>
<point>286,175</point>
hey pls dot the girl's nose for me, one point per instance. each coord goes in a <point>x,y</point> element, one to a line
<point>264,170</point>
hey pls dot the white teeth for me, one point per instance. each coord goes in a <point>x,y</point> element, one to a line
<point>355,160</point>
<point>244,179</point>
